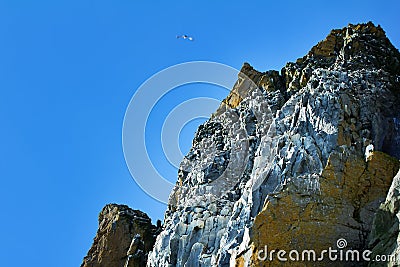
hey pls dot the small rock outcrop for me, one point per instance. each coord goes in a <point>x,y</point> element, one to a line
<point>124,238</point>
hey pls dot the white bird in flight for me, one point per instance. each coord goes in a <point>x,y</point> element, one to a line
<point>185,37</point>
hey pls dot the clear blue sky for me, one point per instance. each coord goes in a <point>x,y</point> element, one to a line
<point>68,70</point>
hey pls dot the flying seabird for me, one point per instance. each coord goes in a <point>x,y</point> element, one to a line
<point>185,37</point>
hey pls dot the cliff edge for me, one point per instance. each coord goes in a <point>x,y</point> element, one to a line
<point>293,160</point>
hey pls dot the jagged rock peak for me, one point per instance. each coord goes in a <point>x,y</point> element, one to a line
<point>355,47</point>
<point>124,238</point>
<point>336,40</point>
<point>250,72</point>
<point>354,40</point>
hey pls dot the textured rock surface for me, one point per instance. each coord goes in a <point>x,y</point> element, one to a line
<point>290,145</point>
<point>124,238</point>
<point>349,192</point>
<point>384,238</point>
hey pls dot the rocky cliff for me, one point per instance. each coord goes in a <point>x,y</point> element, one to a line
<point>385,235</point>
<point>293,160</point>
<point>282,162</point>
<point>124,238</point>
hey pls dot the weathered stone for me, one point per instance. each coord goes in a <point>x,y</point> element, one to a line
<point>289,150</point>
<point>385,235</point>
<point>349,192</point>
<point>291,160</point>
<point>124,238</point>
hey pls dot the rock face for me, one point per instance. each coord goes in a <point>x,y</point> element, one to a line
<point>293,160</point>
<point>124,238</point>
<point>282,163</point>
<point>350,191</point>
<point>384,238</point>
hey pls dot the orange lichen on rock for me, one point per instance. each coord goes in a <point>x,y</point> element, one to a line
<point>350,192</point>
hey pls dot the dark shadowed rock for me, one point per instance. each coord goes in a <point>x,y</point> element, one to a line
<point>384,237</point>
<point>124,238</point>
